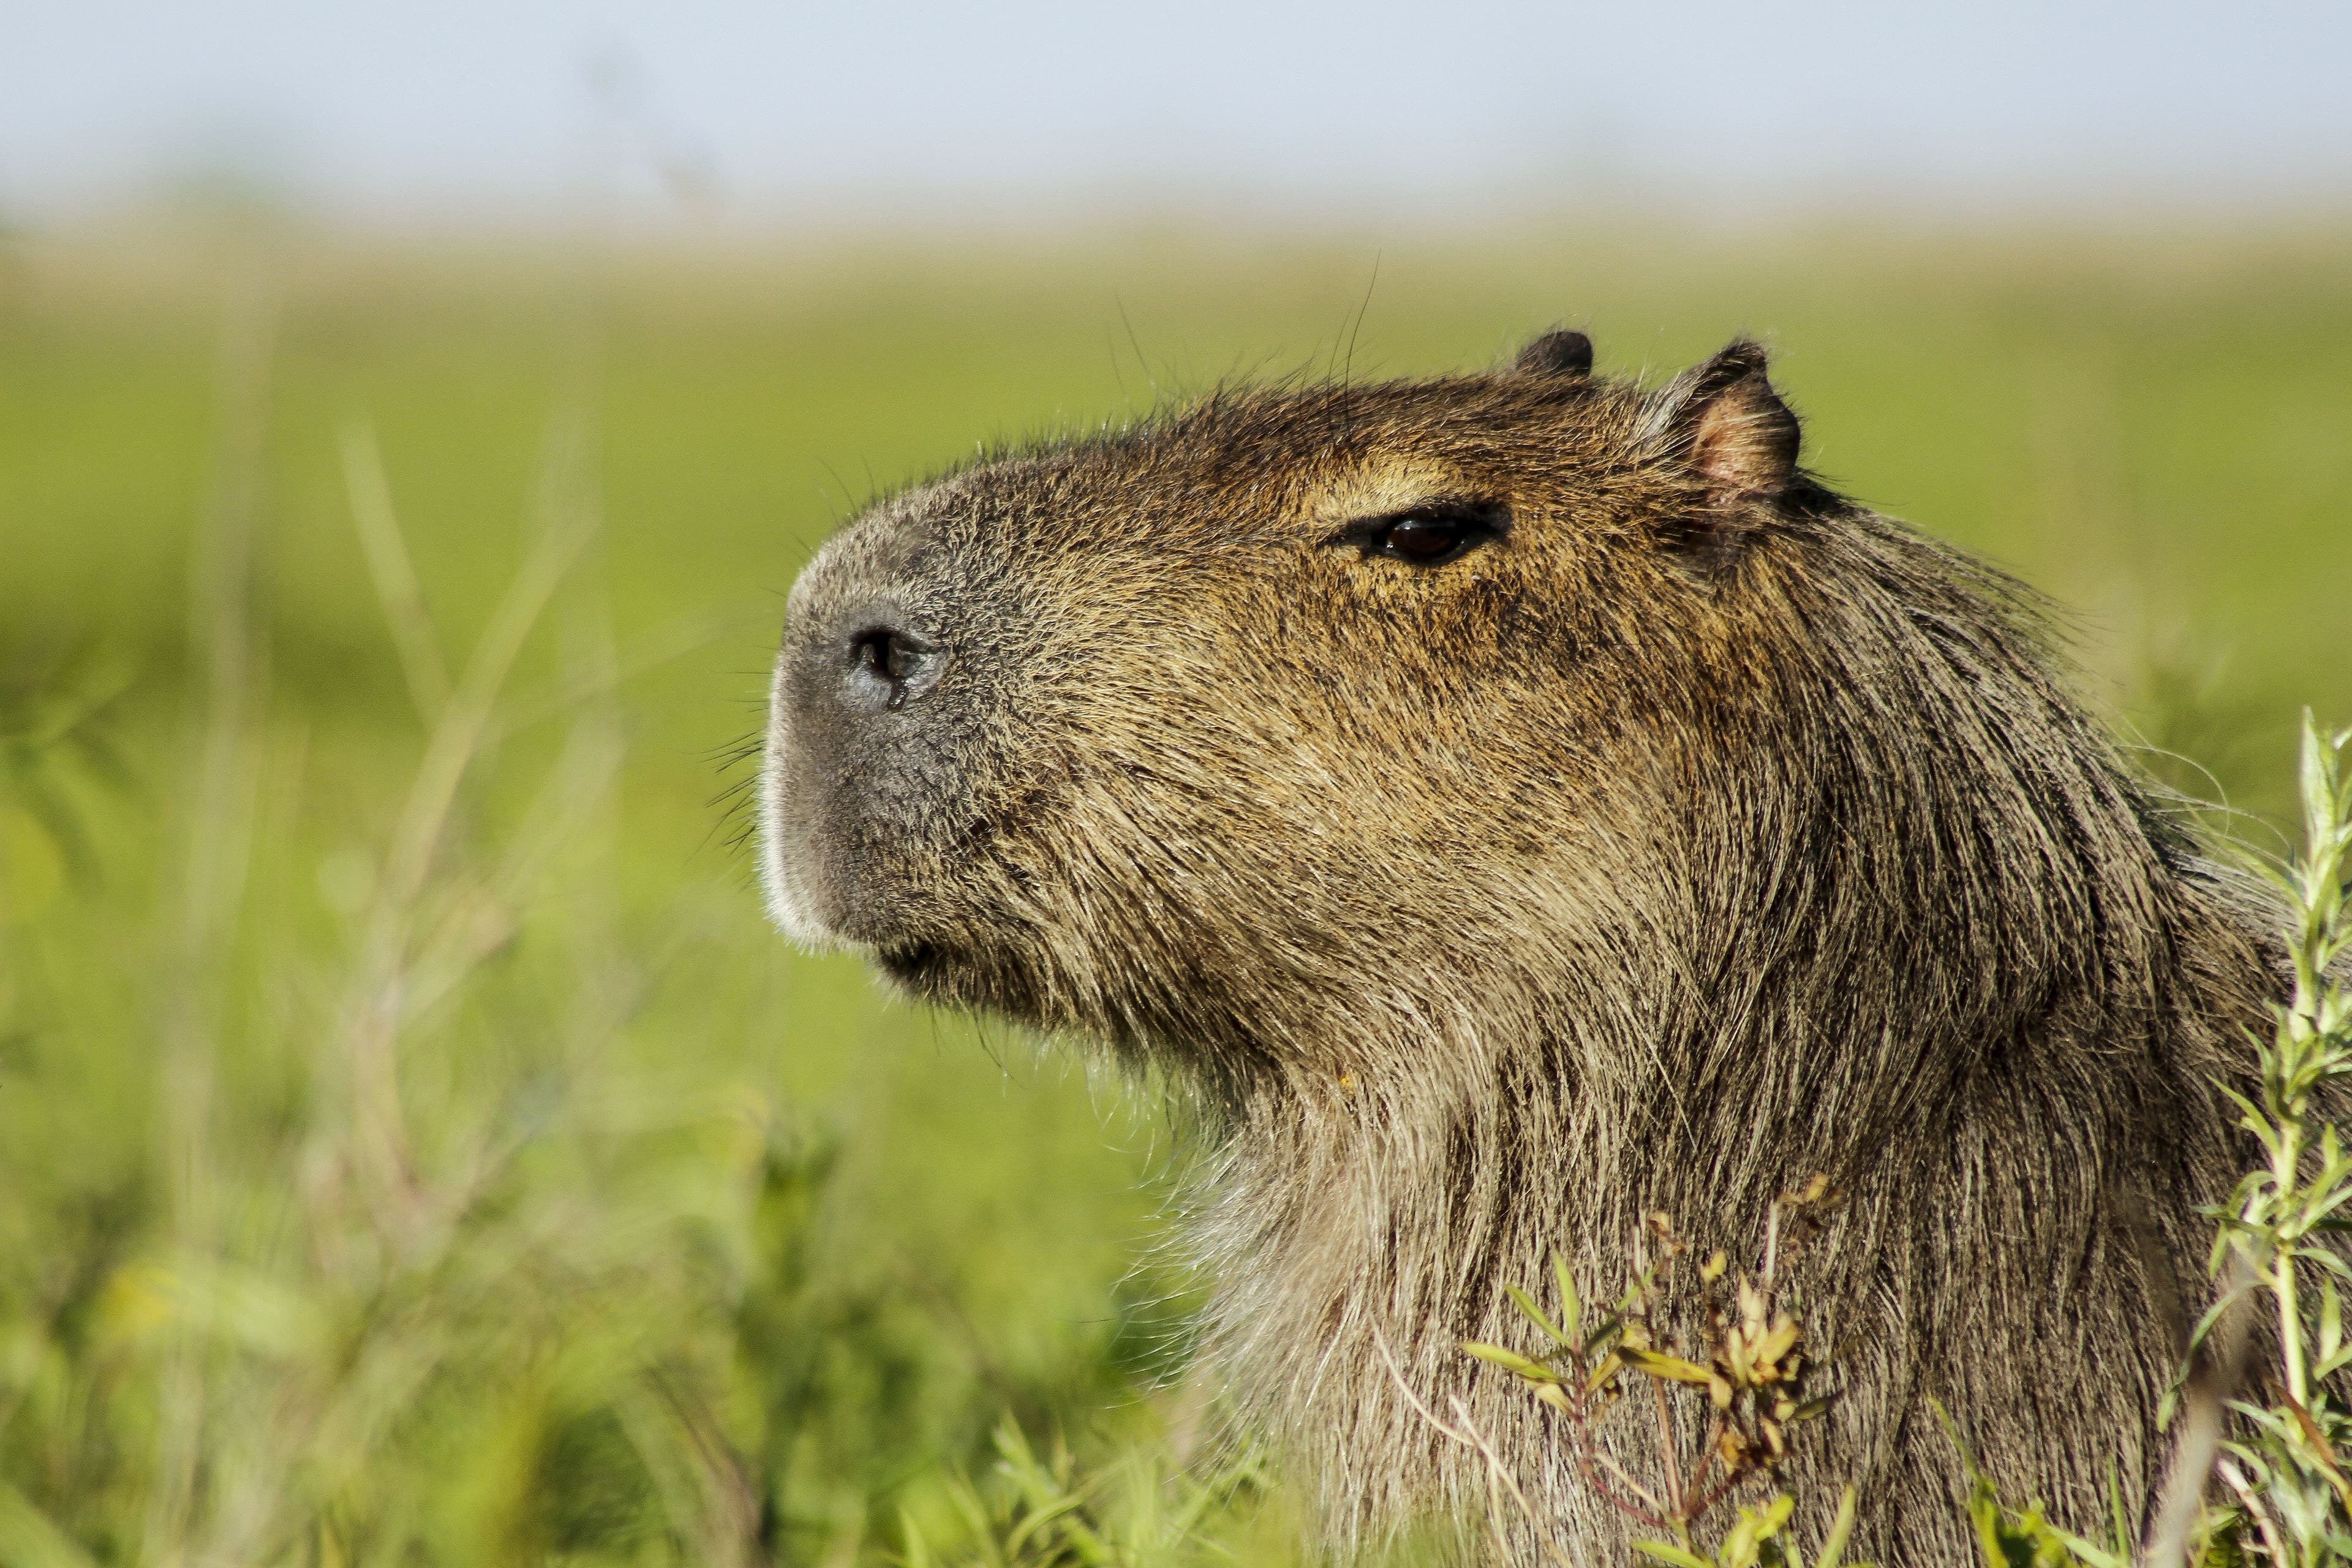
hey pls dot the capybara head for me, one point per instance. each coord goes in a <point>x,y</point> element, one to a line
<point>1212,734</point>
<point>1516,803</point>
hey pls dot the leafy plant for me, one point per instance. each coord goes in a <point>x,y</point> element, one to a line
<point>1046,1511</point>
<point>2282,1463</point>
<point>2286,1469</point>
<point>2026,1538</point>
<point>1692,1333</point>
<point>57,755</point>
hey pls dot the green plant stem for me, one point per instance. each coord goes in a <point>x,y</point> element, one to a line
<point>2287,1167</point>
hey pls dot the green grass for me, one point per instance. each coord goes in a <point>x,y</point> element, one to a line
<point>681,1244</point>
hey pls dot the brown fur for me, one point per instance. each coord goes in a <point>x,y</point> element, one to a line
<point>1700,830</point>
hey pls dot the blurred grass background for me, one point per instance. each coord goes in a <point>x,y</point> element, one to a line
<point>415,1147</point>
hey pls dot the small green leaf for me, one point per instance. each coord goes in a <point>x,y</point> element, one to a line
<point>1535,1314</point>
<point>1755,1526</point>
<point>914,1551</point>
<point>1511,1361</point>
<point>1659,1364</point>
<point>2325,1259</point>
<point>2318,780</point>
<point>1665,1552</point>
<point>2214,1313</point>
<point>1571,1305</point>
<point>1841,1530</point>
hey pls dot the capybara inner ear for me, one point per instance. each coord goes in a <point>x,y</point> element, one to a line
<point>1561,353</point>
<point>1740,438</point>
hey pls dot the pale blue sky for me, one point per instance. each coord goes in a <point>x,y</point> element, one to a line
<point>445,107</point>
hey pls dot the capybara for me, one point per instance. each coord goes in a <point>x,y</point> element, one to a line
<point>1510,804</point>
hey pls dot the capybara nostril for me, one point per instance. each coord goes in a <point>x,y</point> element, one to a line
<point>887,667</point>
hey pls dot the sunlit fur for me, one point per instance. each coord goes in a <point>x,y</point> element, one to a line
<point>1701,831</point>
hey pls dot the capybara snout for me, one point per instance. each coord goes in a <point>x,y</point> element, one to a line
<point>873,693</point>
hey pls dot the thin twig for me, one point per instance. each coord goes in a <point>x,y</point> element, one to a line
<point>1381,1344</point>
<point>1718,1492</point>
<point>1671,1466</point>
<point>1499,1476</point>
<point>394,572</point>
<point>378,997</point>
<point>688,635</point>
<point>1653,1513</point>
<point>2251,1499</point>
<point>222,624</point>
<point>2204,1421</point>
<point>1469,1437</point>
<point>1707,1447</point>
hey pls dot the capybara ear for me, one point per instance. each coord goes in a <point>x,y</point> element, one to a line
<point>1724,420</point>
<point>1561,353</point>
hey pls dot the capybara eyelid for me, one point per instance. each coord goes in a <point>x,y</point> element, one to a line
<point>1479,522</point>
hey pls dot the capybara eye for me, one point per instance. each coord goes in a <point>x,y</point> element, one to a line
<point>1426,535</point>
<point>1422,539</point>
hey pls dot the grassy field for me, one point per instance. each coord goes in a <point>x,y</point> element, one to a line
<point>413,1145</point>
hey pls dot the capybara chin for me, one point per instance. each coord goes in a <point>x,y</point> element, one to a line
<point>1516,803</point>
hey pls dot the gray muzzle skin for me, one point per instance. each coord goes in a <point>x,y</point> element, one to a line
<point>876,717</point>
